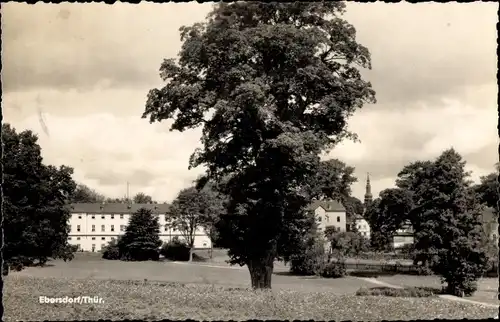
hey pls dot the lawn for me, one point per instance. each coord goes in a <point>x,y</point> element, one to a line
<point>161,300</point>
<point>158,290</point>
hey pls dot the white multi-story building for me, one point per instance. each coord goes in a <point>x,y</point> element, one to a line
<point>94,225</point>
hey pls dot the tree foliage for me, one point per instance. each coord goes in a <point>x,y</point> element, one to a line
<point>447,223</point>
<point>118,200</point>
<point>141,240</point>
<point>273,85</point>
<point>488,190</point>
<point>84,194</point>
<point>190,211</point>
<point>141,197</point>
<point>334,179</point>
<point>35,202</point>
<point>346,244</point>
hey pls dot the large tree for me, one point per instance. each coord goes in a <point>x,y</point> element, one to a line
<point>273,85</point>
<point>35,202</point>
<point>84,194</point>
<point>446,220</point>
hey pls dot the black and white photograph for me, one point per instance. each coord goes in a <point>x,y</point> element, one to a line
<point>319,160</point>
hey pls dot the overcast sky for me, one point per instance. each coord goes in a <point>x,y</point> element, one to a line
<point>87,68</point>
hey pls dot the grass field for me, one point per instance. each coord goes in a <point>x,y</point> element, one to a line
<point>158,290</point>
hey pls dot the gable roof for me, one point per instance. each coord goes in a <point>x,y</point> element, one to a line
<point>328,205</point>
<point>116,208</point>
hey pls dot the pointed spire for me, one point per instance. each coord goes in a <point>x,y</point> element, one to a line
<point>368,193</point>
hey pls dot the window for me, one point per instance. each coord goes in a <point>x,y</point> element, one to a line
<point>77,227</point>
<point>93,247</point>
<point>79,216</point>
<point>166,227</point>
<point>69,238</point>
<point>93,227</point>
<point>77,238</point>
<point>102,228</point>
<point>103,246</point>
<point>121,216</point>
<point>494,236</point>
<point>122,227</point>
<point>338,218</point>
<point>319,219</point>
<point>112,216</point>
<point>78,246</point>
<point>93,238</point>
<point>103,238</point>
<point>102,216</point>
<point>112,238</point>
<point>338,228</point>
<point>364,233</point>
<point>112,227</point>
<point>204,244</point>
<point>93,217</point>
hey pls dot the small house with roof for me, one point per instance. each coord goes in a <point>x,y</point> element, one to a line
<point>329,213</point>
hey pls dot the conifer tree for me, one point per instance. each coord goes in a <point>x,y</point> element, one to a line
<point>141,240</point>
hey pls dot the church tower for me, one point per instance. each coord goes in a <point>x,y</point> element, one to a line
<point>368,193</point>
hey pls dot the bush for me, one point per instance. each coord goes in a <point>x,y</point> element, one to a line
<point>395,292</point>
<point>334,270</point>
<point>176,250</point>
<point>311,261</point>
<point>111,251</point>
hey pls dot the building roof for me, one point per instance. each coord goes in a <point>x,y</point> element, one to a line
<point>328,205</point>
<point>116,208</point>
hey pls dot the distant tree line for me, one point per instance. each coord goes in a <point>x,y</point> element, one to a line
<point>84,194</point>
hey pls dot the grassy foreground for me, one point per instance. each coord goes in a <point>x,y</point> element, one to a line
<point>155,300</point>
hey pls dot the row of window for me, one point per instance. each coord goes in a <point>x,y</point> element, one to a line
<point>104,216</point>
<point>103,228</point>
<point>93,238</point>
<point>338,218</point>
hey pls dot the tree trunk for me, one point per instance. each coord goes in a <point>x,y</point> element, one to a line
<point>191,253</point>
<point>211,250</point>
<point>5,269</point>
<point>261,271</point>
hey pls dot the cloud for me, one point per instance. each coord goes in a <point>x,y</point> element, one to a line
<point>80,45</point>
<point>107,151</point>
<point>421,52</point>
<point>88,69</point>
<point>392,139</point>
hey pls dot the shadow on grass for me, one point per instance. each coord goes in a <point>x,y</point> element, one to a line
<point>372,274</point>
